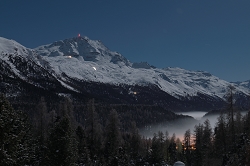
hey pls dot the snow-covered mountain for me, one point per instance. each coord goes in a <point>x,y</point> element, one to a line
<point>80,59</point>
<point>87,59</point>
<point>245,84</point>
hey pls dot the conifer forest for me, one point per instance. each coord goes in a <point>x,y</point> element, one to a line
<point>64,133</point>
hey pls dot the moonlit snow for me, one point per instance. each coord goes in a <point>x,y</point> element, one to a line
<point>85,59</point>
<point>179,163</point>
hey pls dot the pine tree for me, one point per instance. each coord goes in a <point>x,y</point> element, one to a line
<point>93,132</point>
<point>187,144</point>
<point>158,148</point>
<point>83,152</point>
<point>40,124</point>
<point>14,135</point>
<point>167,143</point>
<point>172,150</point>
<point>207,143</point>
<point>66,109</point>
<point>198,135</point>
<point>207,135</point>
<point>135,142</point>
<point>247,124</point>
<point>61,144</point>
<point>113,138</point>
<point>179,149</point>
<point>220,136</point>
<point>247,135</point>
<point>238,123</point>
<point>231,113</point>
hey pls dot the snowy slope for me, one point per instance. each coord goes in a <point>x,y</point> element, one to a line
<point>245,84</point>
<point>20,62</point>
<point>83,59</point>
<point>87,59</point>
<point>11,46</point>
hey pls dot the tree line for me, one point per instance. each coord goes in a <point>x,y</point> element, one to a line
<point>227,144</point>
<point>55,137</point>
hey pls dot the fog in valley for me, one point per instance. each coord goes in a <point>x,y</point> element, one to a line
<point>179,127</point>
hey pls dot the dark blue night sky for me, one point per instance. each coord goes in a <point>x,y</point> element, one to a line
<point>213,35</point>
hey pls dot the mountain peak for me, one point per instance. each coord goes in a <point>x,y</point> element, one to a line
<point>82,48</point>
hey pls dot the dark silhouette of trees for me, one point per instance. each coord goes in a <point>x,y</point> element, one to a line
<point>230,141</point>
<point>82,149</point>
<point>15,148</point>
<point>203,137</point>
<point>187,144</point>
<point>93,132</point>
<point>61,144</point>
<point>231,113</point>
<point>112,138</point>
<point>198,135</point>
<point>63,133</point>
<point>172,150</point>
<point>158,148</point>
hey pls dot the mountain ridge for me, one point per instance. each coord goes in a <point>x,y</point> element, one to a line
<point>78,59</point>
